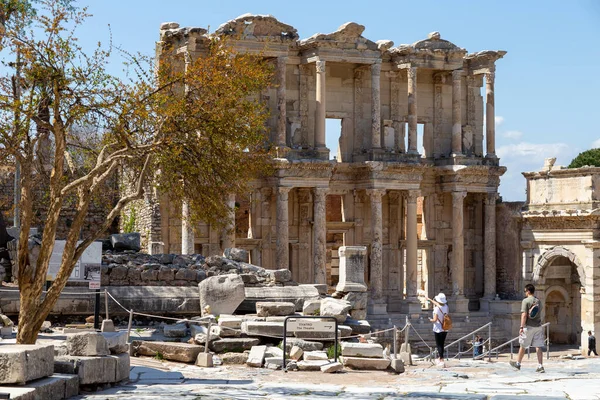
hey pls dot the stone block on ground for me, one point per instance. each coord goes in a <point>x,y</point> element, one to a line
<point>236,254</point>
<point>123,365</point>
<point>223,293</point>
<point>230,322</point>
<point>227,345</point>
<point>280,275</point>
<point>370,350</point>
<point>332,367</point>
<point>205,360</point>
<point>359,313</point>
<point>91,370</point>
<point>406,358</point>
<point>314,355</point>
<point>296,353</point>
<point>107,326</point>
<point>293,294</point>
<point>182,352</point>
<point>50,388</point>
<point>365,363</point>
<point>116,341</point>
<point>175,331</point>
<point>125,241</point>
<point>357,299</point>
<point>273,351</point>
<point>223,332</point>
<point>234,358</point>
<point>20,363</point>
<point>256,356</point>
<point>312,365</point>
<point>305,345</point>
<point>6,331</point>
<point>259,328</point>
<point>87,344</point>
<point>71,384</point>
<point>359,327</point>
<point>397,365</point>
<point>344,331</point>
<point>311,307</point>
<point>273,308</point>
<point>274,360</point>
<point>338,309</point>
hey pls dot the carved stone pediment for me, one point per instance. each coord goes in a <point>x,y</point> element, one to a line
<point>434,42</point>
<point>347,37</point>
<point>258,28</point>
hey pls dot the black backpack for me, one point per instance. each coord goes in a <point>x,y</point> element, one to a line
<point>534,310</point>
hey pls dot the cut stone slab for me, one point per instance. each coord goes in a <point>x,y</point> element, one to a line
<point>71,384</point>
<point>273,351</point>
<point>183,352</point>
<point>274,360</point>
<point>234,358</point>
<point>370,350</point>
<point>233,344</point>
<point>293,294</point>
<point>312,365</point>
<point>305,345</point>
<point>344,331</point>
<point>223,293</point>
<point>280,275</point>
<point>230,322</point>
<point>220,331</point>
<point>91,370</point>
<point>87,344</point>
<point>236,254</point>
<point>397,365</point>
<point>315,355</point>
<point>273,308</point>
<point>51,388</point>
<point>296,353</point>
<point>6,331</point>
<point>21,363</point>
<point>311,307</point>
<point>338,309</point>
<point>357,299</point>
<point>116,341</point>
<point>365,363</point>
<point>332,367</point>
<point>256,356</point>
<point>259,328</point>
<point>205,360</point>
<point>123,365</point>
<point>359,314</point>
<point>359,327</point>
<point>175,331</point>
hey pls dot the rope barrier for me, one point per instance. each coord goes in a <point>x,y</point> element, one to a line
<point>45,292</point>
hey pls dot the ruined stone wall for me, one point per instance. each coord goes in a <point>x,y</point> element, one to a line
<point>509,255</point>
<point>7,192</point>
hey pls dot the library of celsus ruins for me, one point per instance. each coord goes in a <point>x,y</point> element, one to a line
<point>413,178</point>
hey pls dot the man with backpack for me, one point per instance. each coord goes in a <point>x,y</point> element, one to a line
<point>530,333</point>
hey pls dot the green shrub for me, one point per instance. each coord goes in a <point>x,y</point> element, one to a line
<point>589,157</point>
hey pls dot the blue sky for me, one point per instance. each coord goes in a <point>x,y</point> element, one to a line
<point>547,86</point>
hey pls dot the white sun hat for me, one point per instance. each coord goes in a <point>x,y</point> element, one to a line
<point>440,298</point>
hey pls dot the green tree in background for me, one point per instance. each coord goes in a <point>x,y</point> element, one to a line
<point>589,157</point>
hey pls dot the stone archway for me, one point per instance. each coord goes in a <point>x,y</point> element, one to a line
<point>549,256</point>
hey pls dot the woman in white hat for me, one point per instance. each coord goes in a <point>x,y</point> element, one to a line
<point>440,309</point>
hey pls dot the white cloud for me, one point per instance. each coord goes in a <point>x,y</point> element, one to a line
<point>532,152</point>
<point>512,134</point>
<point>498,120</point>
<point>596,144</point>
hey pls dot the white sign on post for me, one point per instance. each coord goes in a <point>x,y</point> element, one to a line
<point>94,285</point>
<point>87,267</point>
<point>310,325</point>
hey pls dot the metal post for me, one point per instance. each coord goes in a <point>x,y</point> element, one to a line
<point>207,337</point>
<point>395,341</point>
<point>490,342</point>
<point>548,342</point>
<point>97,310</point>
<point>459,348</point>
<point>129,324</point>
<point>106,302</point>
<point>511,350</point>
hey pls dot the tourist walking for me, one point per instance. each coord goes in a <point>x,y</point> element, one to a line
<point>439,311</point>
<point>531,334</point>
<point>591,344</point>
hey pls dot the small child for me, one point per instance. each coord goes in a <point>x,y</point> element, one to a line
<point>477,346</point>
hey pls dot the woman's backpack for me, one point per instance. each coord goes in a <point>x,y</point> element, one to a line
<point>446,322</point>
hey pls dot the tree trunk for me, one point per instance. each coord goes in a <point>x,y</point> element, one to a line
<point>30,321</point>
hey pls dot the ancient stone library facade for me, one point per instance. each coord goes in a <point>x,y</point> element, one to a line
<point>412,180</point>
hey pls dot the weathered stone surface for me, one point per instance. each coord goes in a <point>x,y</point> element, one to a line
<point>305,345</point>
<point>315,355</point>
<point>273,351</point>
<point>311,307</point>
<point>177,330</point>
<point>272,308</point>
<point>87,344</point>
<point>71,384</point>
<point>293,294</point>
<point>332,367</point>
<point>357,299</point>
<point>278,361</point>
<point>233,344</point>
<point>258,328</point>
<point>225,332</point>
<point>223,293</point>
<point>107,326</point>
<point>256,356</point>
<point>365,363</point>
<point>358,327</point>
<point>123,364</point>
<point>183,352</point>
<point>296,353</point>
<point>204,360</point>
<point>234,358</point>
<point>116,341</point>
<point>312,365</point>
<point>335,308</point>
<point>344,331</point>
<point>397,365</point>
<point>280,275</point>
<point>371,350</point>
<point>93,370</point>
<point>230,322</point>
<point>51,388</point>
<point>125,241</point>
<point>20,363</point>
<point>236,254</point>
<point>358,314</point>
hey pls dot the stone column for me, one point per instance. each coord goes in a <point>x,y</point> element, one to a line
<point>187,233</point>
<point>319,235</point>
<point>490,120</point>
<point>456,113</point>
<point>320,113</point>
<point>458,250</point>
<point>375,196</point>
<point>412,110</point>
<point>282,252</point>
<point>411,243</point>
<point>281,102</point>
<point>352,269</point>
<point>489,250</point>
<point>229,232</point>
<point>376,106</point>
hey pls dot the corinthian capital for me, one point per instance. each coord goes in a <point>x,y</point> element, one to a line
<point>320,66</point>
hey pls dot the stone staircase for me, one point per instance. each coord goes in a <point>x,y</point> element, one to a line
<point>462,324</point>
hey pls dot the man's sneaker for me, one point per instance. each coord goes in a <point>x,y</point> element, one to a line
<point>516,365</point>
<point>540,370</point>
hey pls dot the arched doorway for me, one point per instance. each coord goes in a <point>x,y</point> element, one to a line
<point>557,275</point>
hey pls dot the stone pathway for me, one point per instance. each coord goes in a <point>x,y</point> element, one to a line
<point>466,379</point>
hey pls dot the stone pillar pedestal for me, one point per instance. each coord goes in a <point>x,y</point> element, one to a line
<point>320,113</point>
<point>412,110</point>
<point>320,236</point>
<point>458,304</point>
<point>352,269</point>
<point>456,113</point>
<point>282,252</point>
